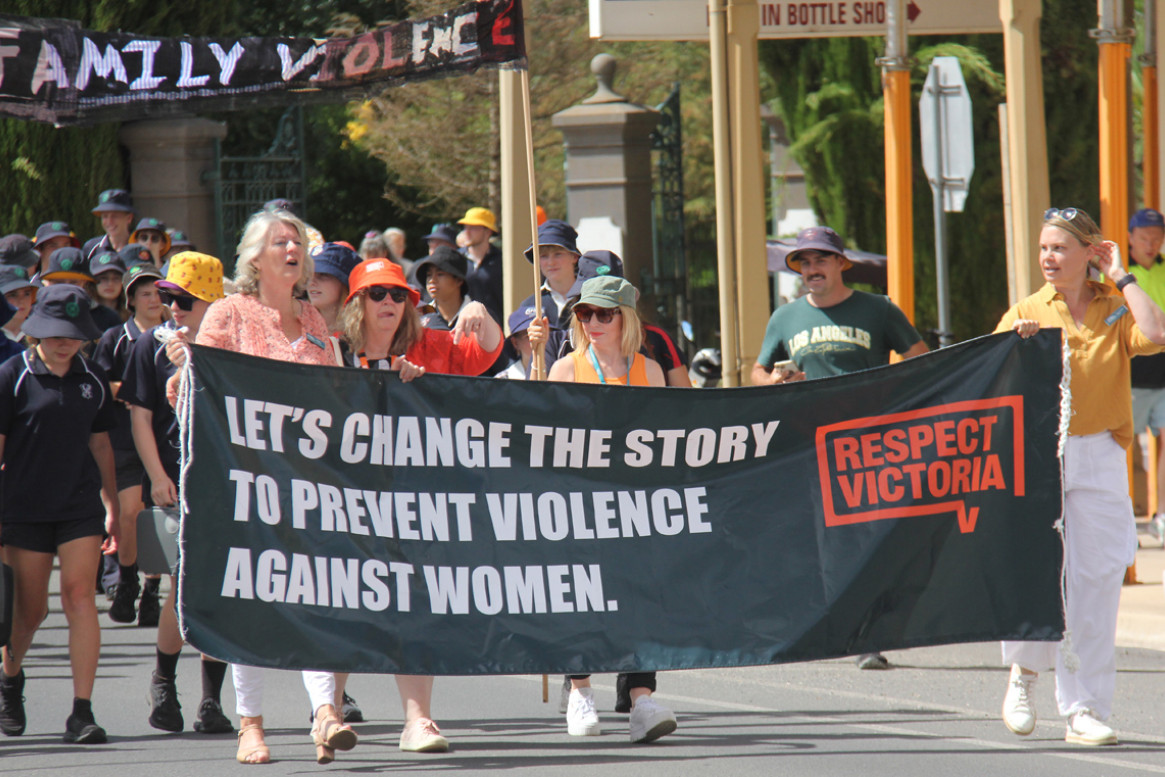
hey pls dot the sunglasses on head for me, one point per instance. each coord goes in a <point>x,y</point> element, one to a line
<point>378,293</point>
<point>185,301</point>
<point>584,312</point>
<point>1067,214</point>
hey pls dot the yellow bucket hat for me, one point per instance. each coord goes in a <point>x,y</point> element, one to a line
<point>480,217</point>
<point>196,274</point>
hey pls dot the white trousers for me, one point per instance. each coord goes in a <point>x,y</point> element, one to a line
<point>321,689</point>
<point>1101,541</point>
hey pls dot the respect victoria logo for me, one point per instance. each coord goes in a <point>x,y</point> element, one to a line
<point>931,461</point>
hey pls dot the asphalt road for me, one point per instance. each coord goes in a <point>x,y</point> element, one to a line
<point>935,713</point>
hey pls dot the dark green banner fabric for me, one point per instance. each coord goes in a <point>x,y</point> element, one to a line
<point>341,520</point>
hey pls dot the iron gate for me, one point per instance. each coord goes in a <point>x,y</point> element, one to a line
<point>669,269</point>
<point>244,183</point>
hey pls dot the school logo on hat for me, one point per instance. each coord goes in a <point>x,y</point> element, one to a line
<point>67,263</point>
<point>72,309</point>
<point>106,196</point>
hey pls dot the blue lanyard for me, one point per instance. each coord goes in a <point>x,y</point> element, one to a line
<point>599,370</point>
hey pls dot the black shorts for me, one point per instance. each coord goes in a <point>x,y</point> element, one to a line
<point>47,536</point>
<point>130,470</point>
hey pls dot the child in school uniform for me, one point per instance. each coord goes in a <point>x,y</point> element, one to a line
<point>58,496</point>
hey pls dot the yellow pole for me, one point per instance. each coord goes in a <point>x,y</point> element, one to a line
<point>1027,169</point>
<point>899,171</point>
<point>748,184</point>
<point>725,214</point>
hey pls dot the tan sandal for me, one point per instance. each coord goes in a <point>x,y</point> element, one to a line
<point>253,753</point>
<point>329,735</point>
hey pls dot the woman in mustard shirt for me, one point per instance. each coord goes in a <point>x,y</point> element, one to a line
<point>1103,328</point>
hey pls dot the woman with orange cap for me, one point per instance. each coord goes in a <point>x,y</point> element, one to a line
<point>382,330</point>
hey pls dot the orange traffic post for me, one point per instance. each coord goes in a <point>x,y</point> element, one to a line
<point>1115,41</point>
<point>899,171</point>
<point>1115,50</point>
<point>1150,124</point>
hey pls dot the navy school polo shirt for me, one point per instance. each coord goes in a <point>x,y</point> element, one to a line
<point>112,355</point>
<point>49,473</point>
<point>144,384</point>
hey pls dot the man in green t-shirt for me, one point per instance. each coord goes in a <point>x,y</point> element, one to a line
<point>832,330</point>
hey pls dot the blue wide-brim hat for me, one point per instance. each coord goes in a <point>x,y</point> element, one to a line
<point>61,311</point>
<point>67,264</point>
<point>335,260</point>
<point>554,232</point>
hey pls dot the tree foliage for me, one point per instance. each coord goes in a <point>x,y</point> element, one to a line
<point>440,138</point>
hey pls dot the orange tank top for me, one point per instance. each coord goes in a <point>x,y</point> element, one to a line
<point>584,371</point>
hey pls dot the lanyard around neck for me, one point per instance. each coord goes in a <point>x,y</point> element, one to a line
<point>599,370</point>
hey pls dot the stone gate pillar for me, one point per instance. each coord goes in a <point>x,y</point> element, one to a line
<point>169,160</point>
<point>608,167</point>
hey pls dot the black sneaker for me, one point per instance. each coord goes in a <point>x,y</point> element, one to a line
<point>150,608</point>
<point>351,710</point>
<point>12,720</point>
<point>83,731</point>
<point>122,609</point>
<point>165,711</point>
<point>211,719</point>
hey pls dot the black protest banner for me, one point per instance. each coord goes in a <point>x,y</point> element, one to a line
<point>342,520</point>
<point>52,70</point>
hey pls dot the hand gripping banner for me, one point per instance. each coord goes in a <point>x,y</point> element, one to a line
<point>52,70</point>
<point>341,520</point>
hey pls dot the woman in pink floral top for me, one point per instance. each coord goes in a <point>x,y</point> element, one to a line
<point>265,318</point>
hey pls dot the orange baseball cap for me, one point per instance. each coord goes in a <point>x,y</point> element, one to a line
<point>379,272</point>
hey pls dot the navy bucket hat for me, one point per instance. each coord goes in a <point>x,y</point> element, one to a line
<point>554,232</point>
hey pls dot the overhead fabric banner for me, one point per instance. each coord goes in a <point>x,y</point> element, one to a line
<point>341,520</point>
<point>51,70</point>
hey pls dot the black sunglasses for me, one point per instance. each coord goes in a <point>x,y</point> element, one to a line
<point>378,293</point>
<point>604,315</point>
<point>185,301</point>
<point>1067,213</point>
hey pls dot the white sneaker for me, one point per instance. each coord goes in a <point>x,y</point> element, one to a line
<point>650,720</point>
<point>1019,711</point>
<point>582,720</point>
<point>1157,528</point>
<point>1084,728</point>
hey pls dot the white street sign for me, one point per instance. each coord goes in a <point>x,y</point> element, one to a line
<point>948,140</point>
<point>688,19</point>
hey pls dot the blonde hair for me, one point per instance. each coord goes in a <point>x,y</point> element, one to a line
<point>1081,227</point>
<point>408,333</point>
<point>632,333</point>
<point>254,241</point>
